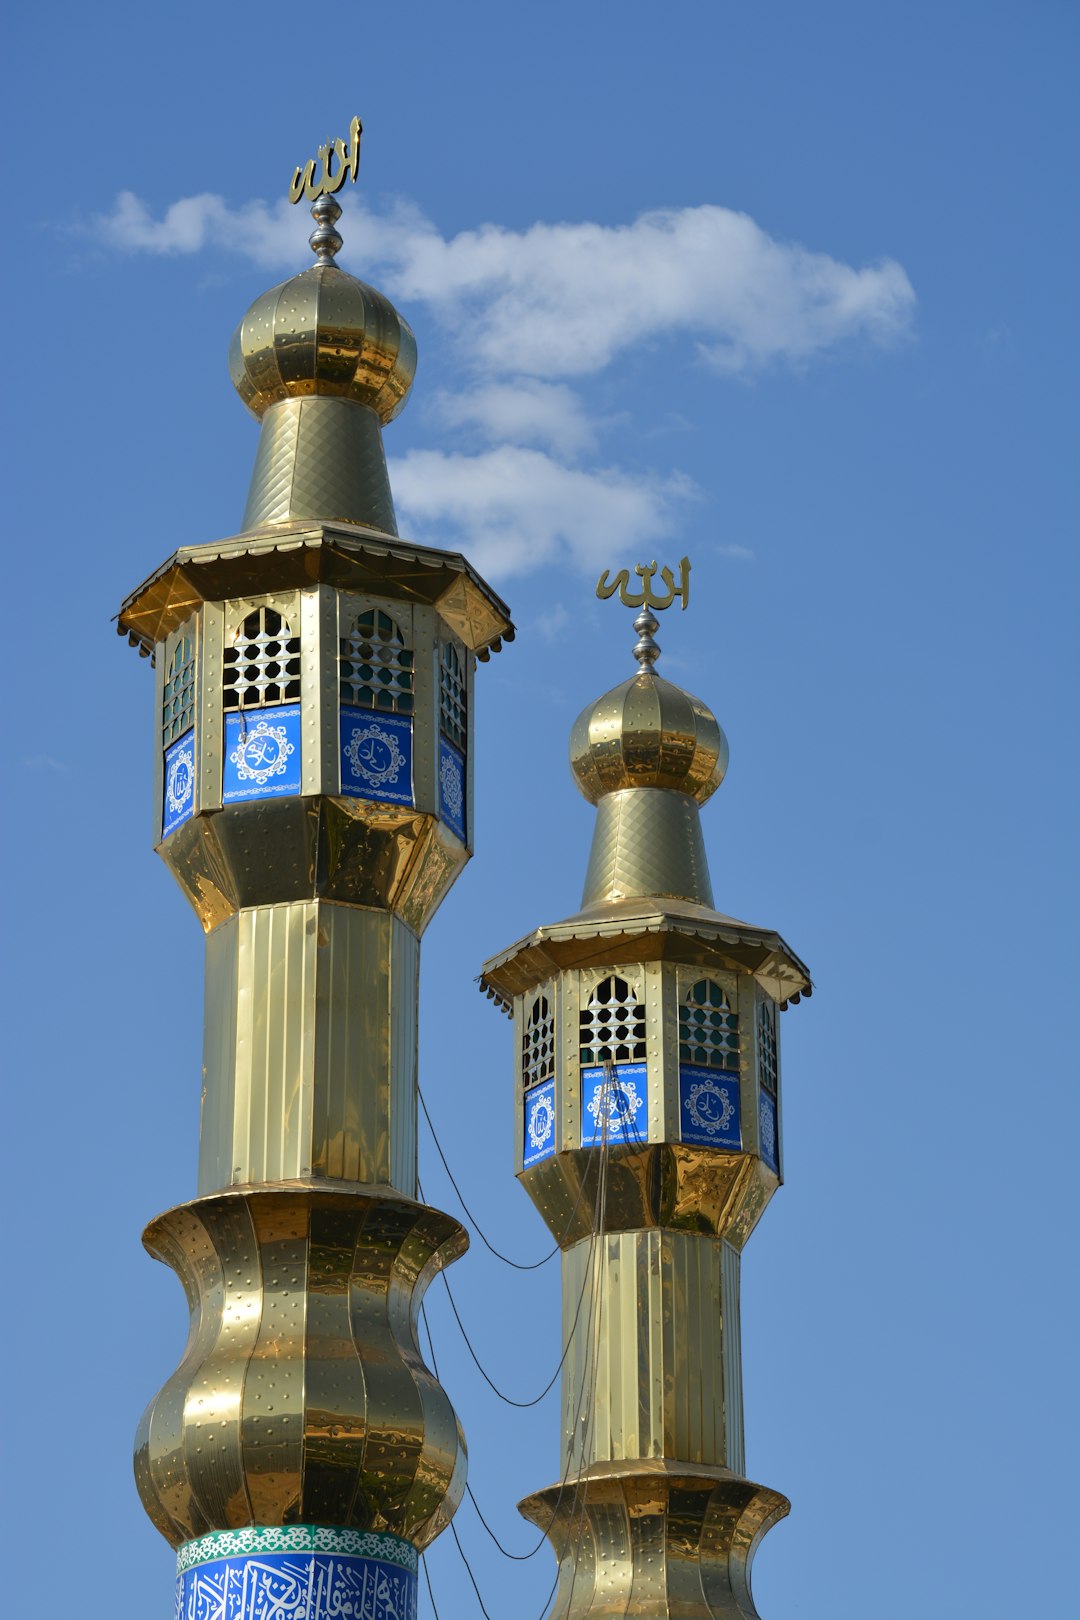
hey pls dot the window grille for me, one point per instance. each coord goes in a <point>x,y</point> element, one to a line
<point>453,701</point>
<point>708,1029</point>
<point>178,713</point>
<point>612,1026</point>
<point>376,665</point>
<point>538,1044</point>
<point>262,663</point>
<point>768,1068</point>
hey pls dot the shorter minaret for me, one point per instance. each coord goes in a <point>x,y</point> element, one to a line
<point>648,1137</point>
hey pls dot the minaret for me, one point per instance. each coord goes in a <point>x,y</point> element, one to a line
<point>648,1137</point>
<point>313,799</point>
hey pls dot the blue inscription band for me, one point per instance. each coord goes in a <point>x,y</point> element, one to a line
<point>296,1572</point>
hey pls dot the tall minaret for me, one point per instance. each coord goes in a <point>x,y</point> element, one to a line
<point>648,1137</point>
<point>313,799</point>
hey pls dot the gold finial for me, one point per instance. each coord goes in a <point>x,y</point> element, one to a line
<point>347,153</point>
<point>646,650</point>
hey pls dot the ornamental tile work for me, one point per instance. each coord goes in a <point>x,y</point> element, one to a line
<point>296,1586</point>
<point>614,1105</point>
<point>262,755</point>
<point>179,789</point>
<point>709,1107</point>
<point>259,1539</point>
<point>539,1124</point>
<point>452,788</point>
<point>376,756</point>
<point>767,1131</point>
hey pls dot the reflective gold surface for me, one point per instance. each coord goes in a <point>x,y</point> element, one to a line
<point>320,459</point>
<point>302,1396</point>
<point>647,733</point>
<point>323,332</point>
<point>655,1541</point>
<point>647,842</point>
<point>309,1062</point>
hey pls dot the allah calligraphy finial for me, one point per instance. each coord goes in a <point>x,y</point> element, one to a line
<point>320,187</point>
<point>648,600</point>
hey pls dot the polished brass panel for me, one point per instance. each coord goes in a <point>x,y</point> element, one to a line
<point>323,332</point>
<point>302,1396</point>
<point>663,1366</point>
<point>309,1062</point>
<point>647,842</point>
<point>291,555</point>
<point>655,1540</point>
<point>278,850</point>
<point>647,733</point>
<point>320,459</point>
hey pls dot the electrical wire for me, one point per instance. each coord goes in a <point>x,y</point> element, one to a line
<point>427,1578</point>
<point>518,1265</point>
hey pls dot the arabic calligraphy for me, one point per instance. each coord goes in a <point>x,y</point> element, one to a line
<point>297,1587</point>
<point>647,596</point>
<point>318,177</point>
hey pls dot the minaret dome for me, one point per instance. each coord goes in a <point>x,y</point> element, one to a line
<point>648,733</point>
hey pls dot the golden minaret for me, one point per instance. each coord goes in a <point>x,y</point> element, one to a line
<point>313,799</point>
<point>649,1138</point>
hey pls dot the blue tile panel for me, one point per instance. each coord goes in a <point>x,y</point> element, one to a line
<point>709,1107</point>
<point>262,753</point>
<point>615,1110</point>
<point>539,1123</point>
<point>376,756</point>
<point>303,1584</point>
<point>452,788</point>
<point>179,790</point>
<point>770,1150</point>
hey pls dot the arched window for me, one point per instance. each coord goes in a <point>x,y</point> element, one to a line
<point>768,1068</point>
<point>262,662</point>
<point>453,702</point>
<point>538,1044</point>
<point>376,665</point>
<point>612,1026</point>
<point>708,1028</point>
<point>178,710</point>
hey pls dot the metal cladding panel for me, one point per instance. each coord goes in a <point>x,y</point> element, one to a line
<point>731,1313</point>
<point>310,1047</point>
<point>661,1357</point>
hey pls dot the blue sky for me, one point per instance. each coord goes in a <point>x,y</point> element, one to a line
<point>789,289</point>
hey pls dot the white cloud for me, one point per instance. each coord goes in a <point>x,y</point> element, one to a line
<point>566,300</point>
<point>524,411</point>
<point>511,509</point>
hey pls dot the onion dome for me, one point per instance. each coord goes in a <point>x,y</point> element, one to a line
<point>647,733</point>
<point>325,333</point>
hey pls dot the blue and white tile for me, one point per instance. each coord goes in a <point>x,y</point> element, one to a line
<point>539,1124</point>
<point>614,1108</point>
<point>262,753</point>
<point>452,788</point>
<point>376,756</point>
<point>179,790</point>
<point>767,1132</point>
<point>709,1107</point>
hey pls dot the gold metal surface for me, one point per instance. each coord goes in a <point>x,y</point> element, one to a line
<point>647,733</point>
<point>655,1540</point>
<point>311,182</point>
<point>323,332</point>
<point>647,841</point>
<point>646,596</point>
<point>309,1064</point>
<point>320,459</point>
<point>301,554</point>
<point>660,1383</point>
<point>302,1396</point>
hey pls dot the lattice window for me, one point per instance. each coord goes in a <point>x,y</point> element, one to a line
<point>708,1028</point>
<point>538,1044</point>
<point>768,1067</point>
<point>262,662</point>
<point>376,665</point>
<point>613,1024</point>
<point>178,713</point>
<point>453,699</point>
